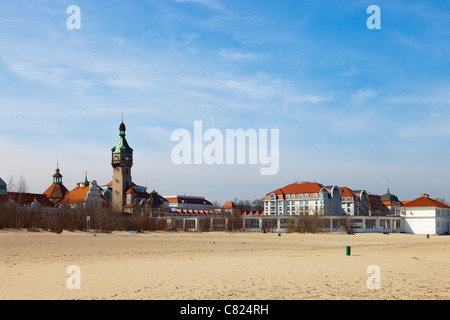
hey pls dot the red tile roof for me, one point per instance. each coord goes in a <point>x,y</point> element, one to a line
<point>424,201</point>
<point>26,199</point>
<point>296,188</point>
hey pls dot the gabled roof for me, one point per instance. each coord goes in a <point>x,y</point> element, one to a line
<point>425,201</point>
<point>229,205</point>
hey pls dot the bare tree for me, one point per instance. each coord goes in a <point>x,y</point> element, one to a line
<point>258,204</point>
<point>216,204</point>
<point>309,222</point>
<point>20,187</point>
<point>11,184</point>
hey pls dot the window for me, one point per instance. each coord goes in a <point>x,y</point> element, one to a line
<point>316,195</point>
<point>288,196</point>
<point>307,195</point>
<point>301,195</point>
<point>293,196</point>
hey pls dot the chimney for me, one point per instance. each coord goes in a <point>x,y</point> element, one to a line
<point>78,185</point>
<point>426,195</point>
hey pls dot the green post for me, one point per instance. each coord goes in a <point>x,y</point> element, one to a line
<point>348,251</point>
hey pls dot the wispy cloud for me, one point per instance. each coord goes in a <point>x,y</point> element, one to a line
<point>213,4</point>
<point>363,96</point>
<point>233,54</point>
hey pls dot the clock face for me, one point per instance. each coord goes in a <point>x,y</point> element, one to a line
<point>116,158</point>
<point>127,158</point>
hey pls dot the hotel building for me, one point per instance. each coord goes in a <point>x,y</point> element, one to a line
<point>306,197</point>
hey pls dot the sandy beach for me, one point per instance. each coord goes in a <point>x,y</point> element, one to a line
<point>222,266</point>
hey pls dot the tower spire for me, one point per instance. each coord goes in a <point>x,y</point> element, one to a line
<point>86,181</point>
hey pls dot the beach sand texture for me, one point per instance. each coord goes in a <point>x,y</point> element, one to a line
<point>222,266</point>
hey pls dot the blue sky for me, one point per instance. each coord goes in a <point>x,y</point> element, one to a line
<point>355,107</point>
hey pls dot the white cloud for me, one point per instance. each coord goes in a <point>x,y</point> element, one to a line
<point>232,54</point>
<point>363,95</point>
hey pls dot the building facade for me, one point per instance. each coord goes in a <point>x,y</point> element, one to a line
<point>301,198</point>
<point>354,202</point>
<point>425,216</point>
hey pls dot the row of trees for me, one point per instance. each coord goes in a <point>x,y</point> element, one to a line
<point>13,216</point>
<point>244,205</point>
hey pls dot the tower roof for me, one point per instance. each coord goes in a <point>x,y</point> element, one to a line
<point>122,144</point>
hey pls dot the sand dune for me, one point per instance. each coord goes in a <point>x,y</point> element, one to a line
<point>222,266</point>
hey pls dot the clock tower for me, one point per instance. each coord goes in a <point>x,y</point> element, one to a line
<point>122,161</point>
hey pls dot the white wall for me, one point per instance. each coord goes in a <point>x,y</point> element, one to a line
<point>426,220</point>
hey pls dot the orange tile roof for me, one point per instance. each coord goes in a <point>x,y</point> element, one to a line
<point>229,205</point>
<point>131,190</point>
<point>346,192</point>
<point>79,194</point>
<point>425,201</point>
<point>56,191</point>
